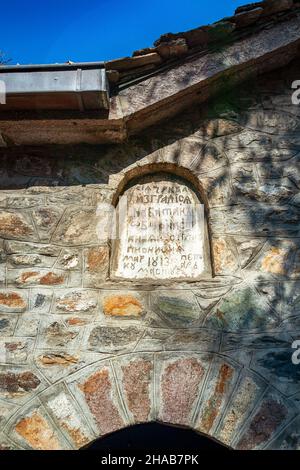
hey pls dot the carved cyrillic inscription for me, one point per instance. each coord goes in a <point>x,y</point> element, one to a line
<point>161,231</point>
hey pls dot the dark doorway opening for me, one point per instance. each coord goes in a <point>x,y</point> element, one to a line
<point>155,437</point>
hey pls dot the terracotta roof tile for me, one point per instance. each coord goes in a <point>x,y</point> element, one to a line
<point>170,46</point>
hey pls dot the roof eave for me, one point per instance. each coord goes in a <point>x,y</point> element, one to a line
<point>140,105</point>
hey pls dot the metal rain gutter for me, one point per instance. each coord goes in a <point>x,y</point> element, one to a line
<point>75,86</point>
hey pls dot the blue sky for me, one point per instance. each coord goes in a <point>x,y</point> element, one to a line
<point>48,31</point>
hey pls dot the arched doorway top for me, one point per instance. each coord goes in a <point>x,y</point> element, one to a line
<point>157,438</point>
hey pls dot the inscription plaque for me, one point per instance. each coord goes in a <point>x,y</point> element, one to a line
<point>161,231</point>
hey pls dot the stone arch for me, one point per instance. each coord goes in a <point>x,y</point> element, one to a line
<point>201,390</point>
<point>228,339</point>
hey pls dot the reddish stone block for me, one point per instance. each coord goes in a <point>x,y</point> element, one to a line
<point>179,390</point>
<point>17,383</point>
<point>136,384</point>
<point>14,225</point>
<point>266,421</point>
<point>97,259</point>
<point>39,278</point>
<point>12,302</point>
<point>51,279</point>
<point>98,394</point>
<point>38,433</point>
<point>213,405</point>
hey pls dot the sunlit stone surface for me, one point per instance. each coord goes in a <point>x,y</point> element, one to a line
<point>83,352</point>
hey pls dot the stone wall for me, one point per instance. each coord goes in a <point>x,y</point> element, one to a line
<point>82,355</point>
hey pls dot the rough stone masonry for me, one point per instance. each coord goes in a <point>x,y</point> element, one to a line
<point>84,353</point>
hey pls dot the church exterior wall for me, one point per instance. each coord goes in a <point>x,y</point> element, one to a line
<point>83,355</point>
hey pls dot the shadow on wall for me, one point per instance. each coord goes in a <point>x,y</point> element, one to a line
<point>251,178</point>
<point>247,153</point>
<point>155,437</point>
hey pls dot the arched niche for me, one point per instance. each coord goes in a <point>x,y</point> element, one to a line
<point>162,232</point>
